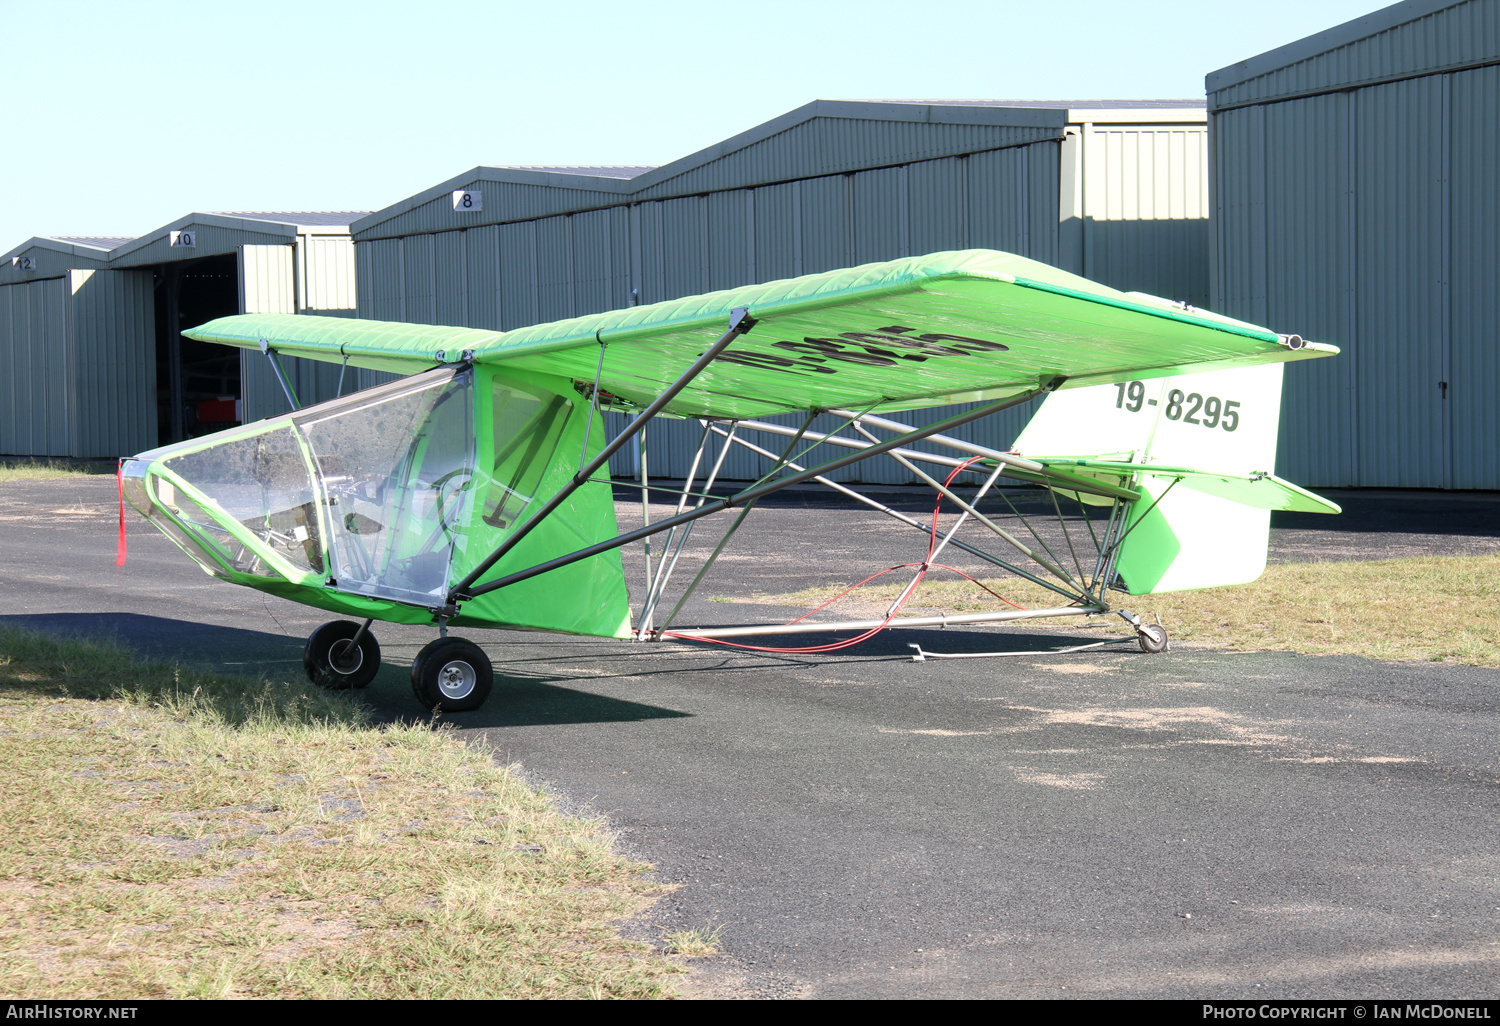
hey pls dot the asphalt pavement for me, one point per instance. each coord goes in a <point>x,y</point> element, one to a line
<point>1194,824</point>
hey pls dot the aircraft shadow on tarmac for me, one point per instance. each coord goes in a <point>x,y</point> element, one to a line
<point>897,643</point>
<point>162,637</point>
<point>518,699</point>
<point>531,702</point>
<point>515,702</point>
<point>962,642</point>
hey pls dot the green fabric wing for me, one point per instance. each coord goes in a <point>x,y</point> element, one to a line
<point>902,334</point>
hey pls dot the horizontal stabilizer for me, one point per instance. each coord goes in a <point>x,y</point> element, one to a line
<point>1200,448</point>
<point>1257,490</point>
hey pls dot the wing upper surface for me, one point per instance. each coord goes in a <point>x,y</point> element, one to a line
<point>902,334</point>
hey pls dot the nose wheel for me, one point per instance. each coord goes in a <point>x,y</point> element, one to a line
<point>341,655</point>
<point>452,675</point>
<point>1152,637</point>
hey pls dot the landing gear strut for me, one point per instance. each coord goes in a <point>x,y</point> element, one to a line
<point>341,654</point>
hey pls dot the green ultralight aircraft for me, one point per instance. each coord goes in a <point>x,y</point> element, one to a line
<point>475,491</point>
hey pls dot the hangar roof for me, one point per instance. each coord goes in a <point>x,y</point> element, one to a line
<point>820,138</point>
<point>301,218</point>
<point>597,170</point>
<point>1152,111</point>
<point>45,256</point>
<point>105,242</point>
<point>220,233</point>
<point>1405,40</point>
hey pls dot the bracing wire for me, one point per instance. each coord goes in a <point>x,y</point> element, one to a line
<point>922,569</point>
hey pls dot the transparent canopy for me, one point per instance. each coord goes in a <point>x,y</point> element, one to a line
<point>391,467</point>
<point>378,503</point>
<point>395,469</point>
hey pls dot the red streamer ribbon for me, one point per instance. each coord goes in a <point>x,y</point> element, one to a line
<point>120,550</point>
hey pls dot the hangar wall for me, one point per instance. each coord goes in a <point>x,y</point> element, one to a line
<point>33,334</point>
<point>1357,190</point>
<point>1115,191</point>
<point>74,349</point>
<point>79,332</point>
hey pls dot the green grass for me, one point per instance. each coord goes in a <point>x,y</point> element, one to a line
<point>182,834</point>
<point>1434,608</point>
<point>26,469</point>
<point>694,943</point>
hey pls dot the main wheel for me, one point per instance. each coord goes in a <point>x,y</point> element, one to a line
<point>333,661</point>
<point>1153,638</point>
<point>453,675</point>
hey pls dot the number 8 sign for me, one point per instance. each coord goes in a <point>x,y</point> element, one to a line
<point>465,202</point>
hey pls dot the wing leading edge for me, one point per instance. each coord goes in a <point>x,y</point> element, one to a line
<point>903,334</point>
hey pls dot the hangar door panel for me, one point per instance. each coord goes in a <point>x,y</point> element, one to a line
<point>113,357</point>
<point>1399,353</point>
<point>35,391</point>
<point>1474,376</point>
<point>268,285</point>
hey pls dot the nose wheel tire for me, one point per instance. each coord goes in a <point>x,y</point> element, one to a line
<point>332,660</point>
<point>1152,637</point>
<point>452,675</point>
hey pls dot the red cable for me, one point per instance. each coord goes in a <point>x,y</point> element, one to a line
<point>925,565</point>
<point>847,590</point>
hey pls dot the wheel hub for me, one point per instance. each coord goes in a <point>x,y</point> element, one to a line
<point>345,657</point>
<point>456,679</point>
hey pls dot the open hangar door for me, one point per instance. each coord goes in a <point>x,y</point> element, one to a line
<point>197,383</point>
<point>206,266</point>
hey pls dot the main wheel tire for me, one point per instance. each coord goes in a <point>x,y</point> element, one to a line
<point>332,662</point>
<point>1153,638</point>
<point>453,675</point>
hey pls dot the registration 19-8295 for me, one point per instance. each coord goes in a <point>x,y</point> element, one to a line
<point>1190,408</point>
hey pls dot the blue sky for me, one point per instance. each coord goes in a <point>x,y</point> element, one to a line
<point>119,117</point>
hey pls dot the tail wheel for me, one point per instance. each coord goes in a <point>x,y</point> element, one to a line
<point>452,675</point>
<point>333,660</point>
<point>1153,638</point>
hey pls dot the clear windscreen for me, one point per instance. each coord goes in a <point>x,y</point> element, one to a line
<point>395,465</point>
<point>264,483</point>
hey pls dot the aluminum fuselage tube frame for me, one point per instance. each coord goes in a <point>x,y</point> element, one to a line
<point>713,556</point>
<point>465,588</point>
<point>903,518</point>
<point>657,587</point>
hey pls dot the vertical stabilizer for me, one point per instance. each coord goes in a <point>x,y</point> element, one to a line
<point>1225,421</point>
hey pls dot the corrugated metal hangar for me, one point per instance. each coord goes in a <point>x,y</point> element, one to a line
<point>53,291</point>
<point>1114,190</point>
<point>90,343</point>
<point>1357,201</point>
<point>1356,192</point>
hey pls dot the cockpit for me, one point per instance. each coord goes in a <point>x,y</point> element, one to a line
<point>370,495</point>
